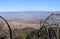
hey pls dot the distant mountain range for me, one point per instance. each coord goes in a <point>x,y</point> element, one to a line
<point>26,16</point>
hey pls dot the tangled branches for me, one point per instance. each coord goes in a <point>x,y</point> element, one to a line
<point>53,20</point>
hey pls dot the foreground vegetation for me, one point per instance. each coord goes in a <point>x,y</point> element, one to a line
<point>24,34</point>
<point>30,33</point>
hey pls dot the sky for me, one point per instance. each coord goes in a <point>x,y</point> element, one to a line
<point>29,5</point>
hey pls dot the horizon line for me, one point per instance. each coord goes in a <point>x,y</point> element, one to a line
<point>29,11</point>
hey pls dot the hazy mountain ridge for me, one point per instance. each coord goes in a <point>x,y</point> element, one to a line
<point>26,16</point>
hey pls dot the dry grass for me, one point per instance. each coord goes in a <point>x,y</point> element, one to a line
<point>20,25</point>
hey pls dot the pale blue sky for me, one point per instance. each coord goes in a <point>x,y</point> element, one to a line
<point>29,5</point>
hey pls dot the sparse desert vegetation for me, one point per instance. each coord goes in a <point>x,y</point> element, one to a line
<point>28,32</point>
<point>20,30</point>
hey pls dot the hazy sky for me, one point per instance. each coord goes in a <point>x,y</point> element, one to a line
<point>29,5</point>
